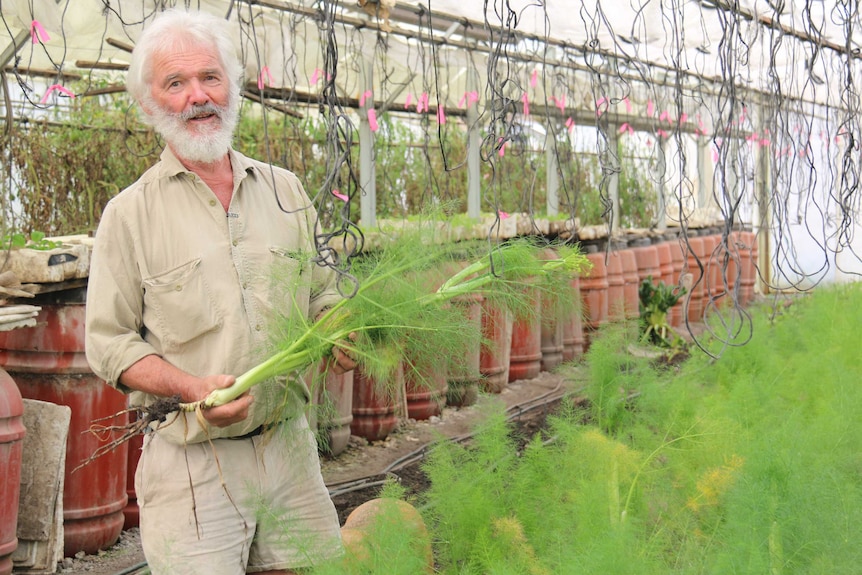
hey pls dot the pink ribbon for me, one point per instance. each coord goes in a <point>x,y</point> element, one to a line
<point>315,76</point>
<point>365,95</point>
<point>601,106</point>
<point>526,100</point>
<point>422,106</point>
<point>408,101</point>
<point>650,108</point>
<point>534,78</point>
<point>263,78</point>
<point>340,196</point>
<point>625,127</point>
<point>503,215</point>
<point>372,120</point>
<point>628,104</point>
<point>502,149</point>
<point>38,33</point>
<point>560,102</point>
<point>570,123</point>
<point>57,88</point>
<point>468,99</point>
<point>441,115</point>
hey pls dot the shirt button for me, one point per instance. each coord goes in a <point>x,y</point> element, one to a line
<point>244,285</point>
<point>212,203</point>
<point>178,287</point>
<point>234,243</point>
<point>257,327</point>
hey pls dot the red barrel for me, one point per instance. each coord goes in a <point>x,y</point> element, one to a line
<point>462,372</point>
<point>11,450</point>
<point>694,305</point>
<point>334,410</point>
<point>675,314</point>
<point>594,296</point>
<point>631,283</point>
<point>573,328</point>
<point>616,287</point>
<point>375,405</point>
<point>497,348</point>
<point>525,358</point>
<point>425,389</point>
<point>48,363</point>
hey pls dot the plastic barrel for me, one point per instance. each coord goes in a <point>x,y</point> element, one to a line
<point>11,450</point>
<point>47,362</point>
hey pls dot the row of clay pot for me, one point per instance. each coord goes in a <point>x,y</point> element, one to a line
<point>519,349</point>
<point>714,271</point>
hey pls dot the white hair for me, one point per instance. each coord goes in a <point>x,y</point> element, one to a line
<point>176,30</point>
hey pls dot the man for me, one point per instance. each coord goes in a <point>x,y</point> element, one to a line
<point>180,294</point>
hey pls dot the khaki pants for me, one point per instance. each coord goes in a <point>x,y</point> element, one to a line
<point>236,505</point>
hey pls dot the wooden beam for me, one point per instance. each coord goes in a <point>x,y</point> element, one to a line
<point>118,44</point>
<point>43,73</point>
<point>261,101</point>
<point>88,65</point>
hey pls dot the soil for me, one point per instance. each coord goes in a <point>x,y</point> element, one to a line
<point>355,475</point>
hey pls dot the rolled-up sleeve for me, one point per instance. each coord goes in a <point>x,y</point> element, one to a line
<point>114,339</point>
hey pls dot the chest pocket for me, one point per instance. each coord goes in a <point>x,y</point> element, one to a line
<point>178,306</point>
<point>290,286</point>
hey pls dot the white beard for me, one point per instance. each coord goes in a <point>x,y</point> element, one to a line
<point>206,146</point>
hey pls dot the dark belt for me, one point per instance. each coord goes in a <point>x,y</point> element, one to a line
<point>253,433</point>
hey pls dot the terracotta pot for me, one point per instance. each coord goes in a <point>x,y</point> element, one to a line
<point>376,404</point>
<point>525,359</point>
<point>497,350</point>
<point>573,328</point>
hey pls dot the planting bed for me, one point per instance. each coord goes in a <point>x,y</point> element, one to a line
<point>356,475</point>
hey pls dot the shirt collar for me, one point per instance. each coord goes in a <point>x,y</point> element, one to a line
<point>171,165</point>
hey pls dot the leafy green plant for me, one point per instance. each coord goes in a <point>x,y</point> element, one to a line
<point>655,300</point>
<point>35,241</point>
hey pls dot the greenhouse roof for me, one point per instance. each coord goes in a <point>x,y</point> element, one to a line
<point>592,55</point>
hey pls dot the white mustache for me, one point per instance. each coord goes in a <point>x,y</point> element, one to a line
<point>200,110</point>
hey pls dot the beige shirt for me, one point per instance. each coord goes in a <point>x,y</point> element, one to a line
<point>172,274</point>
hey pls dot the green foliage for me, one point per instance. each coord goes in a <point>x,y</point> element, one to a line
<point>746,465</point>
<point>36,241</point>
<point>61,174</point>
<point>655,300</point>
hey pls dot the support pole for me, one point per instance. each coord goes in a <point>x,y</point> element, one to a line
<point>368,198</point>
<point>474,141</point>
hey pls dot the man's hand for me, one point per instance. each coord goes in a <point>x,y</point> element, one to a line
<point>342,362</point>
<point>229,413</point>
